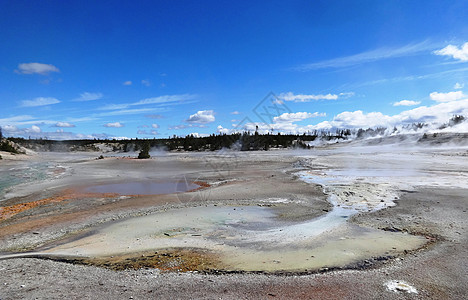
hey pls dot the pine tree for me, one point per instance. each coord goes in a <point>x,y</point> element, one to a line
<point>144,153</point>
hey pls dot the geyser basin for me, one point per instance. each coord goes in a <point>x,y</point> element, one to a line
<point>243,238</point>
<point>143,187</point>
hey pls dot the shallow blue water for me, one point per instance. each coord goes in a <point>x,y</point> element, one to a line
<point>23,173</point>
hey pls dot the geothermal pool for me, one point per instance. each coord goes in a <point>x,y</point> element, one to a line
<point>242,238</point>
<point>249,237</point>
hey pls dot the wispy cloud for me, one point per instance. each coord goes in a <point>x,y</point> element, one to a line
<point>22,120</point>
<point>160,101</point>
<point>184,126</point>
<point>155,116</point>
<point>86,96</point>
<point>36,68</point>
<point>406,78</point>
<point>146,82</point>
<point>125,112</point>
<point>128,82</point>
<point>39,101</point>
<point>369,56</point>
<point>311,97</point>
<point>15,119</point>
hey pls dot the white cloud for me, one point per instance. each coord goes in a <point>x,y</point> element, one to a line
<point>146,82</point>
<point>115,125</point>
<point>152,132</point>
<point>296,117</point>
<point>39,101</point>
<point>196,134</point>
<point>458,86</point>
<point>36,68</point>
<point>165,99</point>
<point>368,56</point>
<point>437,114</point>
<point>455,52</point>
<point>36,132</point>
<point>202,117</point>
<point>35,129</point>
<point>154,116</point>
<point>447,97</point>
<point>221,129</point>
<point>235,112</point>
<point>406,103</point>
<point>124,112</point>
<point>15,119</point>
<point>359,119</point>
<point>155,126</point>
<point>89,96</point>
<point>64,124</point>
<point>183,126</point>
<point>161,100</point>
<point>12,130</point>
<point>128,82</point>
<point>306,98</point>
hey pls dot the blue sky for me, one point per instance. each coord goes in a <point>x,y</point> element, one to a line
<point>84,69</point>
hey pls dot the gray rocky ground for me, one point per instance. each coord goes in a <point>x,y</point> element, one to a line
<point>430,183</point>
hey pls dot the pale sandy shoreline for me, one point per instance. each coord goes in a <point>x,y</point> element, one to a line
<point>432,203</point>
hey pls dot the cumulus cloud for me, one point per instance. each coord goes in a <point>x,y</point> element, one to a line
<point>36,132</point>
<point>296,117</point>
<point>446,97</point>
<point>144,132</point>
<point>202,117</point>
<point>12,130</point>
<point>406,103</point>
<point>128,82</point>
<point>455,52</point>
<point>86,96</point>
<point>39,101</point>
<point>155,126</point>
<point>458,86</point>
<point>115,125</point>
<point>36,68</point>
<point>436,114</point>
<point>197,135</point>
<point>64,124</point>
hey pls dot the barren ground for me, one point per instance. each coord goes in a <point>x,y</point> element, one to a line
<point>397,192</point>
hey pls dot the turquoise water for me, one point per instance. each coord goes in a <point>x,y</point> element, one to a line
<point>26,172</point>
